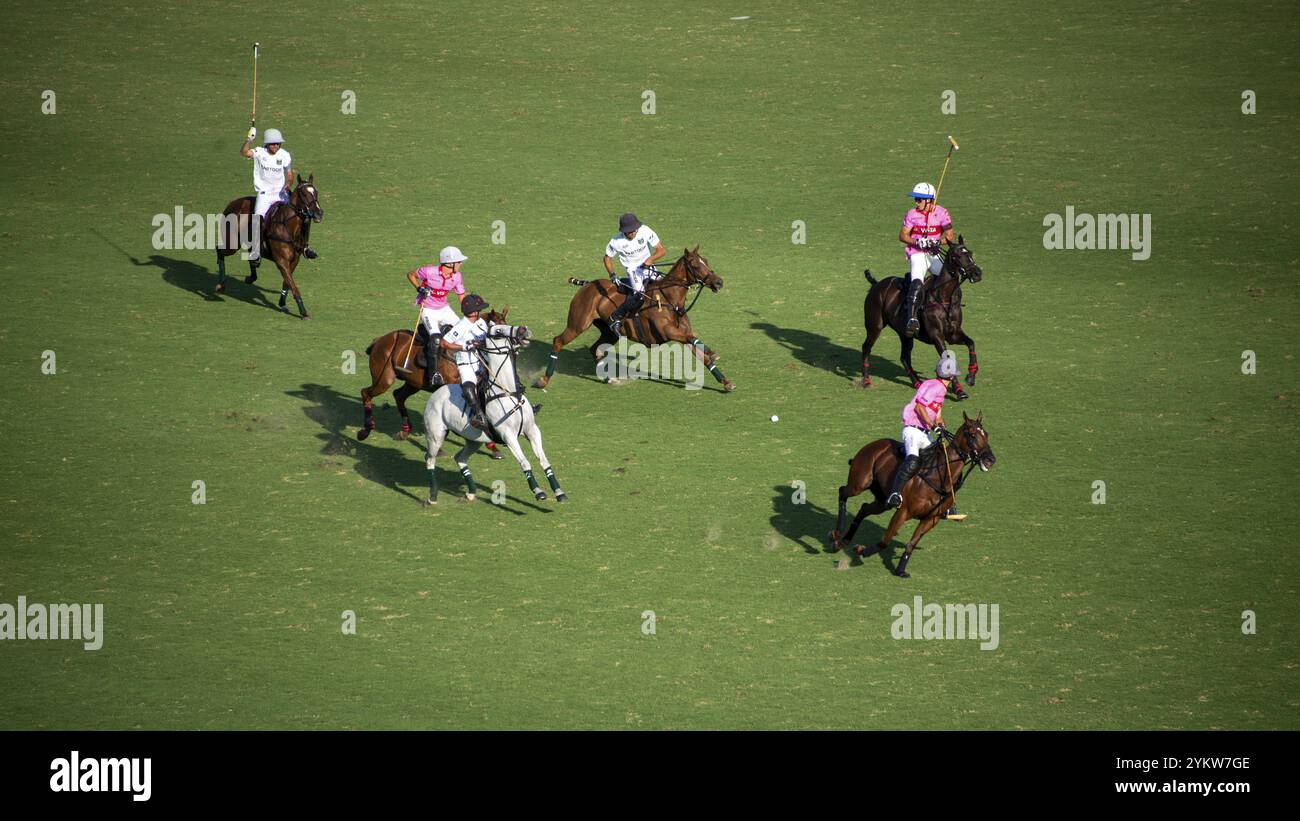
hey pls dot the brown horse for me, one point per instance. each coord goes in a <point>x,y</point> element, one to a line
<point>389,359</point>
<point>939,310</point>
<point>662,317</point>
<point>926,496</point>
<point>284,237</point>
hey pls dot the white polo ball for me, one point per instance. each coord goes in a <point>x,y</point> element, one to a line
<point>775,418</point>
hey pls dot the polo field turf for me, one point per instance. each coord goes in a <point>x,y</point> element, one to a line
<point>1095,367</point>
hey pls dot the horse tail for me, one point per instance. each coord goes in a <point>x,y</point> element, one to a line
<point>578,282</point>
<point>866,272</point>
<point>369,348</point>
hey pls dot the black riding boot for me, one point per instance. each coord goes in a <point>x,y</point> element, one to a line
<point>905,471</point>
<point>629,306</point>
<point>909,307</point>
<point>475,412</point>
<point>432,379</point>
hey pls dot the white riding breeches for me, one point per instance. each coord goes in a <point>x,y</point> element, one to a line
<point>914,440</point>
<point>434,318</point>
<point>925,262</point>
<point>266,199</point>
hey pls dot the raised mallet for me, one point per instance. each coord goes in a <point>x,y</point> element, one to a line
<point>952,146</point>
<point>253,120</point>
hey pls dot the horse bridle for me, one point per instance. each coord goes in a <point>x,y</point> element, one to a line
<point>695,279</point>
<point>511,351</point>
<point>963,273</point>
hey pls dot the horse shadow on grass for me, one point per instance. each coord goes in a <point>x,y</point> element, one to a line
<point>808,525</point>
<point>195,278</point>
<point>389,468</point>
<point>577,362</point>
<point>818,351</point>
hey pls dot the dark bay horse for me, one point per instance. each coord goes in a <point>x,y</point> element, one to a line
<point>662,318</point>
<point>938,309</point>
<point>389,360</point>
<point>926,496</point>
<point>284,236</point>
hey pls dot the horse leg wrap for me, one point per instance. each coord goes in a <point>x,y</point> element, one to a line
<point>717,374</point>
<point>284,294</point>
<point>550,477</point>
<point>469,480</point>
<point>550,365</point>
<point>532,483</point>
<point>433,485</point>
<point>902,563</point>
<point>302,309</point>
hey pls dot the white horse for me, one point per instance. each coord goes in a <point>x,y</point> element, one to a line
<point>506,407</point>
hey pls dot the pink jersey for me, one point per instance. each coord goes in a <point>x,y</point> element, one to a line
<point>931,394</point>
<point>931,225</point>
<point>429,276</point>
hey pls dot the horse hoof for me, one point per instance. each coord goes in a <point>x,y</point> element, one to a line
<point>363,433</point>
<point>250,279</point>
<point>404,432</point>
<point>970,379</point>
<point>306,316</point>
<point>560,497</point>
<point>960,395</point>
<point>221,287</point>
<point>284,310</point>
<point>728,386</point>
<point>430,502</point>
<point>866,381</point>
<point>834,539</point>
<point>469,497</point>
<point>495,455</point>
<point>541,383</point>
<point>902,574</point>
<point>541,495</point>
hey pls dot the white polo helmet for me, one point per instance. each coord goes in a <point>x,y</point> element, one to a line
<point>947,367</point>
<point>272,135</point>
<point>923,191</point>
<point>450,254</point>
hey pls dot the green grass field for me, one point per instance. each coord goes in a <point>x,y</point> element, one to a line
<point>1095,367</point>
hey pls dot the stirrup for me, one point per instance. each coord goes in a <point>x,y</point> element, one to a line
<point>890,501</point>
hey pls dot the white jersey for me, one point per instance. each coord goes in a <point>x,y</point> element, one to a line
<point>463,331</point>
<point>269,170</point>
<point>631,253</point>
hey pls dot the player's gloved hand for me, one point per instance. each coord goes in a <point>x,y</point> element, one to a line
<point>421,293</point>
<point>252,134</point>
<point>939,432</point>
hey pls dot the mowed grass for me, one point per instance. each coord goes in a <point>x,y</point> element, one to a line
<point>1095,367</point>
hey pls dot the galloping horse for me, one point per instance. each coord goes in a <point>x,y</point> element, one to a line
<point>506,408</point>
<point>930,492</point>
<point>662,318</point>
<point>393,355</point>
<point>284,236</point>
<point>939,302</point>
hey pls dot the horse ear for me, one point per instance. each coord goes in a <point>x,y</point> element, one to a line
<point>980,416</point>
<point>505,312</point>
<point>697,247</point>
<point>961,240</point>
<point>964,416</point>
<point>311,177</point>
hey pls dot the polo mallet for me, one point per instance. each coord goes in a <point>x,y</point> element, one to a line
<point>952,146</point>
<point>406,360</point>
<point>253,119</point>
<point>952,489</point>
